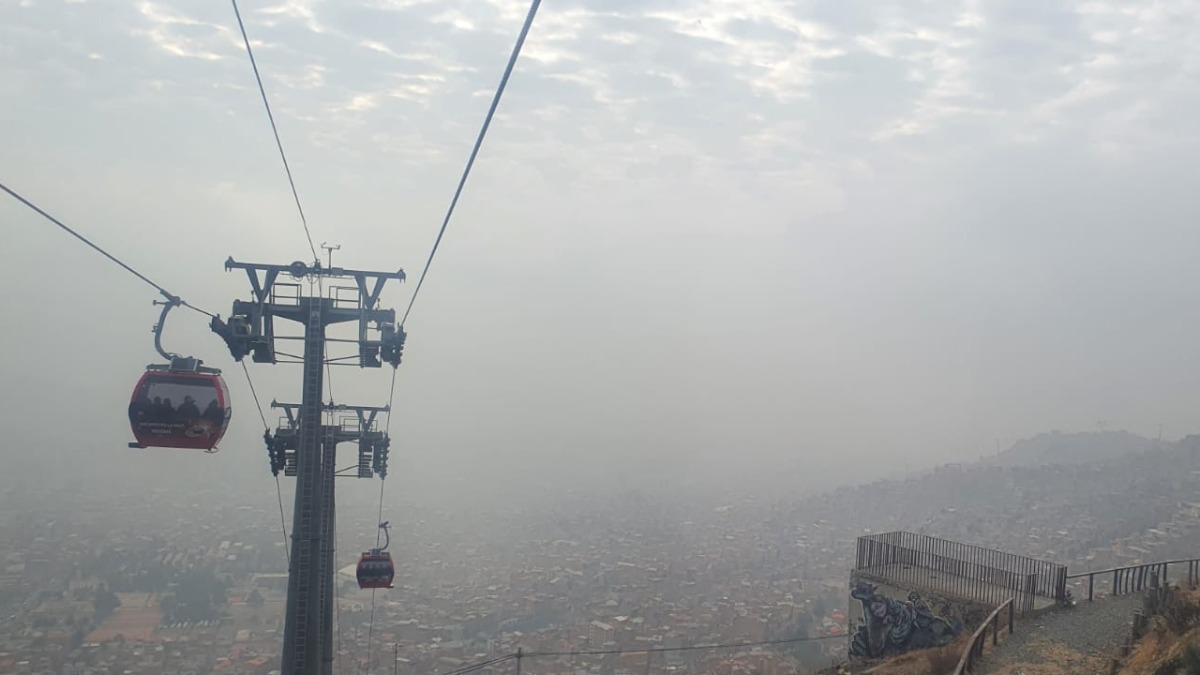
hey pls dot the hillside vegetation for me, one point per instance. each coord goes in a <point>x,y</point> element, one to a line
<point>1172,644</point>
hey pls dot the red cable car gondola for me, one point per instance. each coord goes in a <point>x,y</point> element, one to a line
<point>180,405</point>
<point>375,567</point>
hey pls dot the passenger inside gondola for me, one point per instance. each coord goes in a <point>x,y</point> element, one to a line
<point>213,412</point>
<point>188,409</point>
<point>176,410</point>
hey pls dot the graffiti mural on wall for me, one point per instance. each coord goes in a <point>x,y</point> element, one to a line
<point>891,627</point>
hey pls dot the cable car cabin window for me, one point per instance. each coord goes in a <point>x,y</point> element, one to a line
<point>168,405</point>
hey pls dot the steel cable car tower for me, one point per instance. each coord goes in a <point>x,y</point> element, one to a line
<point>303,446</point>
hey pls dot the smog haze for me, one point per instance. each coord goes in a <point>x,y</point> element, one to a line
<point>708,247</point>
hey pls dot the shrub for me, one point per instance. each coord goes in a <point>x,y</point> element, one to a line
<point>1180,612</point>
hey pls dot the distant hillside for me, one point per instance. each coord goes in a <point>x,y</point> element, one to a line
<point>1072,448</point>
<point>1068,508</point>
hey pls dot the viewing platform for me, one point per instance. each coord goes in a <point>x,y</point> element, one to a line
<point>959,570</point>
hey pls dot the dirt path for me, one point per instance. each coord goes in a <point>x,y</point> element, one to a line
<point>1077,641</point>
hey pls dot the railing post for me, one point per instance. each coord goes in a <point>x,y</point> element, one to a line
<point>1010,617</point>
<point>1027,602</point>
<point>1091,585</point>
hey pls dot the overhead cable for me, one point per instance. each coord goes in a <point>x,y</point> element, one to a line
<point>487,121</point>
<point>167,294</point>
<point>481,665</point>
<point>654,650</point>
<point>274,129</point>
<point>521,654</point>
<point>278,490</point>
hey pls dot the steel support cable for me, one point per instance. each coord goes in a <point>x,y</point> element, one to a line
<point>522,655</point>
<point>604,652</point>
<point>167,294</point>
<point>370,630</point>
<point>387,420</point>
<point>481,665</point>
<point>337,607</point>
<point>487,121</point>
<point>655,650</point>
<point>254,393</point>
<point>278,490</point>
<point>275,130</point>
<point>379,530</point>
<point>378,533</point>
<point>287,554</point>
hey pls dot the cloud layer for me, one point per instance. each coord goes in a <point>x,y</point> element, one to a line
<point>837,225</point>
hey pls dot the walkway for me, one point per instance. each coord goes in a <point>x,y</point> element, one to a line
<point>1077,641</point>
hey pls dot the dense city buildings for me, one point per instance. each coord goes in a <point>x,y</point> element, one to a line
<point>173,581</point>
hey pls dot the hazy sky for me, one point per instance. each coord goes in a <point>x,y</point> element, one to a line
<point>794,238</point>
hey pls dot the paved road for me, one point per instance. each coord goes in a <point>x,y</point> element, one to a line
<point>1068,641</point>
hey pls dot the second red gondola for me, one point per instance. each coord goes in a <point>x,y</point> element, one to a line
<point>375,569</point>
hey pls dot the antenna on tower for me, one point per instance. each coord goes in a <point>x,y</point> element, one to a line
<point>329,252</point>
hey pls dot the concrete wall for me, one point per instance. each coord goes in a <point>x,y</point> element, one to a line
<point>885,620</point>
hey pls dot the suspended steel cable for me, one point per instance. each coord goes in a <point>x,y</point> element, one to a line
<point>278,490</point>
<point>275,129</point>
<point>337,606</point>
<point>254,393</point>
<point>387,419</point>
<point>287,554</point>
<point>370,631</point>
<point>379,530</point>
<point>655,650</point>
<point>487,121</point>
<point>167,294</point>
<point>479,665</point>
<point>378,535</point>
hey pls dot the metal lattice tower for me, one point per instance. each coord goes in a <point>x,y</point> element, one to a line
<point>303,446</point>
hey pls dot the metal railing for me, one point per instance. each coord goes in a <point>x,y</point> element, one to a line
<point>973,572</point>
<point>974,651</point>
<point>1137,578</point>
